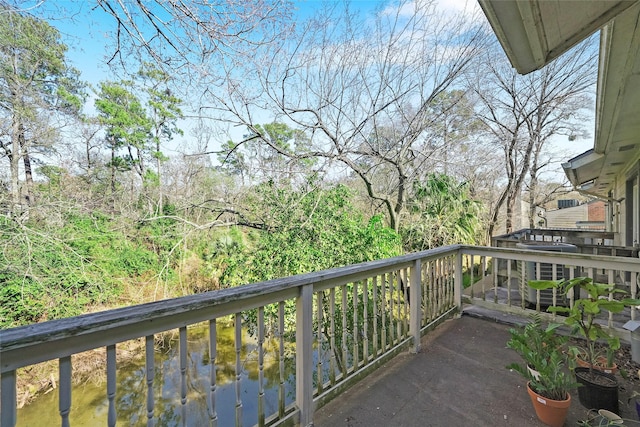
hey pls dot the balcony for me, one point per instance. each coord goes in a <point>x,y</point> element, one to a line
<point>344,325</point>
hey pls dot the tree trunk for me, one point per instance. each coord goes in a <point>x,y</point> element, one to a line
<point>158,165</point>
<point>511,200</point>
<point>113,172</point>
<point>533,188</point>
<point>28,172</point>
<point>14,159</point>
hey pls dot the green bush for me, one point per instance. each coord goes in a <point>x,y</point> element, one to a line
<point>308,231</point>
<point>58,271</point>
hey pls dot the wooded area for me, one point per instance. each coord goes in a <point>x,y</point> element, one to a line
<point>363,136</point>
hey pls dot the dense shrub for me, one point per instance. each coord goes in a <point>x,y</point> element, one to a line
<point>58,271</point>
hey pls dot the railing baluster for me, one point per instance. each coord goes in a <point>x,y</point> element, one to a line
<point>111,385</point>
<point>281,390</point>
<point>633,285</point>
<point>398,306</point>
<point>383,310</point>
<point>483,263</point>
<point>495,270</point>
<point>538,292</point>
<point>554,290</point>
<point>471,274</point>
<point>523,284</point>
<point>261,415</point>
<point>509,277</point>
<point>424,280</point>
<point>238,348</point>
<point>431,285</point>
<point>319,364</point>
<point>392,296</point>
<point>450,282</point>
<point>436,287</point>
<point>439,279</point>
<point>443,266</point>
<point>444,297</point>
<point>183,373</point>
<point>8,406</point>
<point>405,292</point>
<point>365,309</point>
<point>213,354</point>
<point>64,395</point>
<point>343,291</point>
<point>150,370</point>
<point>415,316</point>
<point>376,316</point>
<point>446,284</point>
<point>356,341</point>
<point>332,336</point>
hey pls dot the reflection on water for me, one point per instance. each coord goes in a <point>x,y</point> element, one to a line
<point>90,402</point>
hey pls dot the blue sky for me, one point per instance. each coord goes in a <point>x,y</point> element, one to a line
<point>88,32</point>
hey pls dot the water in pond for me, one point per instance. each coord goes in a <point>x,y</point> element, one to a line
<point>89,407</point>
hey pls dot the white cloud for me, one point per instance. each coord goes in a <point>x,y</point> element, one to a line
<point>468,7</point>
<point>408,9</point>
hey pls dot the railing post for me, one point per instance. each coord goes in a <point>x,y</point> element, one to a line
<point>304,355</point>
<point>458,283</point>
<point>8,402</point>
<point>415,292</point>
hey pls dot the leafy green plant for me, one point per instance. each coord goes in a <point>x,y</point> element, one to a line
<point>443,212</point>
<point>592,299</point>
<point>544,361</point>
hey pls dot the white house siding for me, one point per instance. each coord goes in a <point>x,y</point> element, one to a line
<point>626,211</point>
<point>567,217</point>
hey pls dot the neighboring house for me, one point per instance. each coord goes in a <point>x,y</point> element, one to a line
<point>590,215</point>
<point>519,217</point>
<point>533,33</point>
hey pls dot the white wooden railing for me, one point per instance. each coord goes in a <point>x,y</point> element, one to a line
<point>503,275</point>
<point>361,314</point>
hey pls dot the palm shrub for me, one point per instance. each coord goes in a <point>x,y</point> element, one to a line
<point>541,350</point>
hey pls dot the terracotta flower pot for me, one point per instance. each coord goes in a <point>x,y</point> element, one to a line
<point>551,412</point>
<point>601,365</point>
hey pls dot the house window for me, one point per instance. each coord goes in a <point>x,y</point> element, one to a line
<point>632,213</point>
<point>636,214</point>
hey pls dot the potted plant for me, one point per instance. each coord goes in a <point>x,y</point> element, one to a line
<point>602,360</point>
<point>549,382</point>
<point>600,389</point>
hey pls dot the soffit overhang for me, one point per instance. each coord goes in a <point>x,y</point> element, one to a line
<point>533,33</point>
